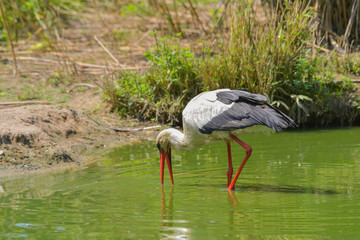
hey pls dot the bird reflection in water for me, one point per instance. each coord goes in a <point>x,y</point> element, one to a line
<point>167,210</point>
<point>234,210</point>
<point>170,228</point>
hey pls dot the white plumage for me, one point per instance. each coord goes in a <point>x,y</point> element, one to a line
<point>214,115</point>
<point>202,109</point>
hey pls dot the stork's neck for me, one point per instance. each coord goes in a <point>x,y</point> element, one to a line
<point>176,138</point>
<point>182,141</point>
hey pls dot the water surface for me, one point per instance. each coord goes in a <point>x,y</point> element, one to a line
<point>296,185</point>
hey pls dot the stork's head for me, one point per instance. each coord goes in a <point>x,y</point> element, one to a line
<point>164,146</point>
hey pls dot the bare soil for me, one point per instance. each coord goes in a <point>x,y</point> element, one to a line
<point>45,137</point>
<point>41,137</point>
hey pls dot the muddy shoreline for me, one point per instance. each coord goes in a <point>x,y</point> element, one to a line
<point>41,138</point>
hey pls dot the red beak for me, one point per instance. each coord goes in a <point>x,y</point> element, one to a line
<point>165,156</point>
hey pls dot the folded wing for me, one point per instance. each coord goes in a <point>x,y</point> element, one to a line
<point>227,110</point>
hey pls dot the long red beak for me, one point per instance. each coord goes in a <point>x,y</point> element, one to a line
<point>166,156</point>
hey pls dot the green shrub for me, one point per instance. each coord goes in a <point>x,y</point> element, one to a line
<point>162,92</point>
<point>129,94</point>
<point>320,100</point>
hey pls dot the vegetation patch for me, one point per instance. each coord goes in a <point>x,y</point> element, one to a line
<point>300,54</point>
<point>162,92</point>
<point>271,58</point>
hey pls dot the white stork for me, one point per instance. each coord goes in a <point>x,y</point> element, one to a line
<point>215,115</point>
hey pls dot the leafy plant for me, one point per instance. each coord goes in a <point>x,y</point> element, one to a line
<point>320,100</point>
<point>299,109</point>
<point>162,92</point>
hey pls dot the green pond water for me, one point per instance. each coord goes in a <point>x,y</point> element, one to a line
<point>296,185</point>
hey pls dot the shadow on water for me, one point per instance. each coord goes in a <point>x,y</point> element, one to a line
<point>285,189</point>
<point>275,188</point>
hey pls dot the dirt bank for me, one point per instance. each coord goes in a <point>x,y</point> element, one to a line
<point>46,137</point>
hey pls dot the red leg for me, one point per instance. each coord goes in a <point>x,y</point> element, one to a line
<point>248,151</point>
<point>229,173</point>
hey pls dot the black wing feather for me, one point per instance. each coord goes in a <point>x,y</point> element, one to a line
<point>248,110</point>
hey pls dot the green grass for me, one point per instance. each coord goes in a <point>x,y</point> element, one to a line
<point>24,17</point>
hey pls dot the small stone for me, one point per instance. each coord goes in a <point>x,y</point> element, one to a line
<point>2,153</point>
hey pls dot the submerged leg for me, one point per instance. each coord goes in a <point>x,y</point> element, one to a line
<point>229,173</point>
<point>248,151</point>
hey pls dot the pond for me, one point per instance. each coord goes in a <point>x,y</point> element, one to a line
<point>296,185</point>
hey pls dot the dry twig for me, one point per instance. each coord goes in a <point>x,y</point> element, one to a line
<point>22,103</point>
<point>350,23</point>
<point>107,51</point>
<point>81,64</point>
